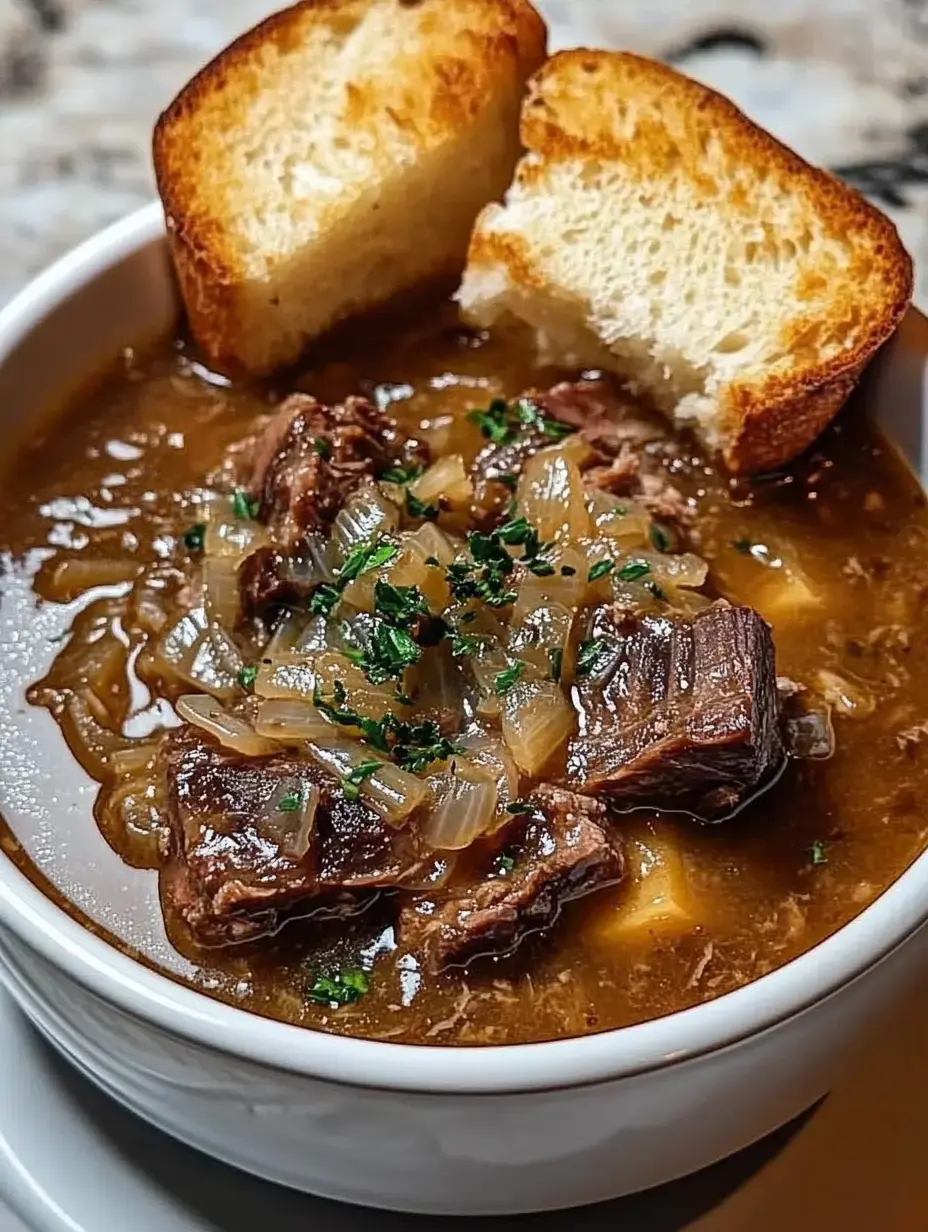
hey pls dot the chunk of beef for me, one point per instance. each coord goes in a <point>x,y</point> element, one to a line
<point>312,457</point>
<point>559,852</point>
<point>229,871</point>
<point>605,416</point>
<point>678,713</point>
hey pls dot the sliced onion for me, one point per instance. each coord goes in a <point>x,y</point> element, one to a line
<point>290,722</point>
<point>486,665</point>
<point>543,636</point>
<point>551,496</point>
<point>848,697</point>
<point>492,754</point>
<point>221,591</point>
<point>446,482</point>
<point>92,742</point>
<point>291,830</point>
<point>213,664</point>
<point>430,540</point>
<point>62,581</point>
<point>231,731</point>
<point>365,514</point>
<point>390,791</point>
<point>286,635</point>
<point>231,538</point>
<point>178,640</point>
<point>570,589</point>
<point>464,803</point>
<point>290,676</point>
<point>537,721</point>
<point>622,521</point>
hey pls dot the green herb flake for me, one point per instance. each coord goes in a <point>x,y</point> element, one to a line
<point>243,508</point>
<point>505,864</point>
<point>743,546</point>
<point>634,570</point>
<point>589,655</point>
<point>601,569</point>
<point>660,538</point>
<point>433,561</point>
<point>556,657</point>
<point>520,808</point>
<point>403,605</point>
<point>494,422</point>
<point>419,509</point>
<point>322,448</point>
<point>195,537</point>
<point>568,571</point>
<point>420,744</point>
<point>402,474</point>
<point>351,783</point>
<point>817,853</point>
<point>466,645</point>
<point>507,679</point>
<point>339,988</point>
<point>656,591</point>
<point>247,677</point>
<point>291,802</point>
<point>365,559</point>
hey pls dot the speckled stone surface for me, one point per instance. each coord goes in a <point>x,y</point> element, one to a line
<point>81,82</point>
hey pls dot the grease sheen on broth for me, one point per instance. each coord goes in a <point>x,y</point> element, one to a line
<point>834,552</point>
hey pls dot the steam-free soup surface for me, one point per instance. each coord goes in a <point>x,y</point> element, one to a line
<point>833,553</point>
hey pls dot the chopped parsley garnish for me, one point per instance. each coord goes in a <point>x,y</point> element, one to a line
<point>292,802</point>
<point>419,744</point>
<point>589,655</point>
<point>402,474</point>
<point>364,559</point>
<point>743,546</point>
<point>520,808</point>
<point>557,663</point>
<point>244,508</point>
<point>466,645</point>
<point>634,570</point>
<point>494,422</point>
<point>403,605</point>
<point>501,423</point>
<point>540,568</point>
<point>531,417</point>
<point>510,480</point>
<point>505,680</point>
<point>660,538</point>
<point>374,731</point>
<point>419,509</point>
<point>506,864</point>
<point>390,652</point>
<point>817,853</point>
<point>351,783</point>
<point>433,561</point>
<point>655,591</point>
<point>337,988</point>
<point>247,677</point>
<point>600,569</point>
<point>195,537</point>
<point>568,571</point>
<point>322,448</point>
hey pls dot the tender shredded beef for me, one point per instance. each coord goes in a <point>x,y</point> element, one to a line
<point>312,457</point>
<point>561,851</point>
<point>226,873</point>
<point>308,460</point>
<point>678,713</point>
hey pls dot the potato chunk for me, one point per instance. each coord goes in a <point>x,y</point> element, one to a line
<point>655,898</point>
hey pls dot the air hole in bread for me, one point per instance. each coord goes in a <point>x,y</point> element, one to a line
<point>669,223</point>
<point>750,252</point>
<point>590,174</point>
<point>658,278</point>
<point>736,341</point>
<point>732,276</point>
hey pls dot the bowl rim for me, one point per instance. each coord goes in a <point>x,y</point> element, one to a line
<point>179,1010</point>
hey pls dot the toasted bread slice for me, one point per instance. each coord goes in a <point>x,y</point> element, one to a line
<point>337,156</point>
<point>653,229</point>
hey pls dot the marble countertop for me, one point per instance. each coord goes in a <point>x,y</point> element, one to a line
<point>81,82</point>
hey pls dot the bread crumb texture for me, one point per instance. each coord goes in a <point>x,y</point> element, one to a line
<point>653,229</point>
<point>334,157</point>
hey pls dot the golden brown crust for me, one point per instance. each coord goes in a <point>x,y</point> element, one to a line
<point>216,102</point>
<point>595,106</point>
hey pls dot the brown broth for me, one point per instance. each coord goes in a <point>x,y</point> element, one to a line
<point>117,476</point>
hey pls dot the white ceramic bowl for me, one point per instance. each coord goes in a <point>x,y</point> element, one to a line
<point>462,1131</point>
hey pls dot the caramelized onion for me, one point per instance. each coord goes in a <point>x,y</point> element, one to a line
<point>542,640</point>
<point>231,731</point>
<point>623,522</point>
<point>390,791</point>
<point>62,581</point>
<point>464,803</point>
<point>537,721</point>
<point>446,483</point>
<point>220,590</point>
<point>365,514</point>
<point>230,538</point>
<point>848,697</point>
<point>492,754</point>
<point>291,722</point>
<point>92,742</point>
<point>291,829</point>
<point>551,496</point>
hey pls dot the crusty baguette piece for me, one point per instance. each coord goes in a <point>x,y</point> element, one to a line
<point>335,157</point>
<point>653,229</point>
